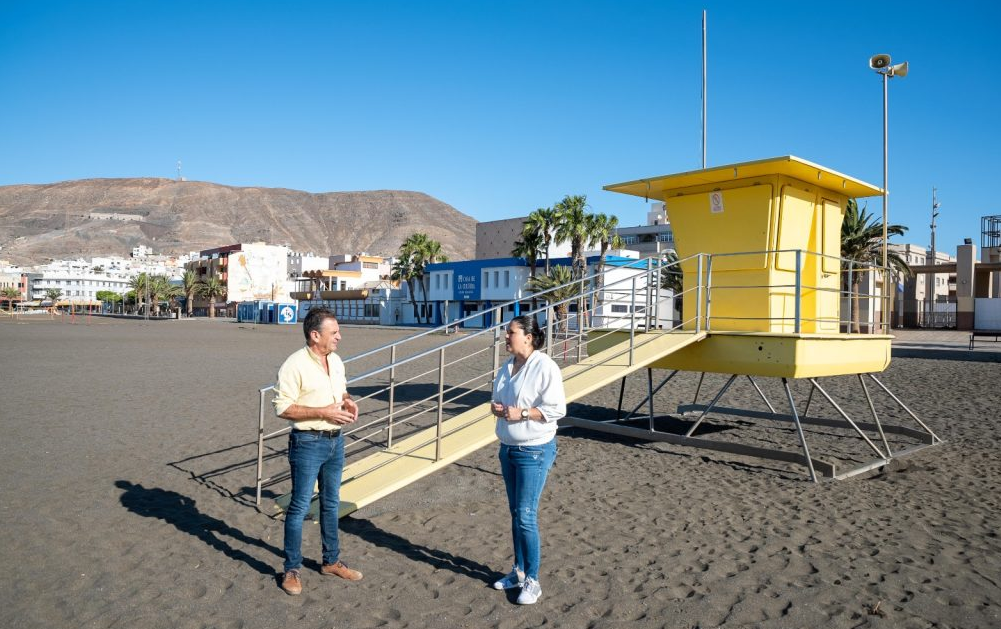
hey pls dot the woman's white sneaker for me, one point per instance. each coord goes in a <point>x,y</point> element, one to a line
<point>514,579</point>
<point>530,592</point>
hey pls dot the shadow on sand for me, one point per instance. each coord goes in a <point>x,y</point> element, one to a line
<point>180,512</point>
<point>438,559</point>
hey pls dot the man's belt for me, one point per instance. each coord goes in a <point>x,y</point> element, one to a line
<point>329,434</point>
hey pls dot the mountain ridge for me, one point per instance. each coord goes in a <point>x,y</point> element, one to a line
<point>110,216</point>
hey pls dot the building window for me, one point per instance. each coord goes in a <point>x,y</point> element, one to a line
<point>619,308</point>
<point>370,265</point>
<point>446,280</point>
<point>486,279</point>
<point>437,281</point>
<point>507,278</point>
<point>665,237</point>
<point>496,279</point>
<point>630,240</point>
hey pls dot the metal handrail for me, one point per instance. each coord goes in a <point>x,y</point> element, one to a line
<point>637,288</point>
<point>591,296</point>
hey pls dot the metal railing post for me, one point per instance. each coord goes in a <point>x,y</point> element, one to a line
<point>392,394</point>
<point>797,324</point>
<point>580,321</point>
<point>260,447</point>
<point>698,298</point>
<point>649,303</point>
<point>441,402</point>
<point>497,332</point>
<point>549,329</point>
<point>656,279</point>
<point>889,291</point>
<point>632,320</point>
<point>709,291</point>
<point>851,298</point>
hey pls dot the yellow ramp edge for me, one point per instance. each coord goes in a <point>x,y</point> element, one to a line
<point>380,474</point>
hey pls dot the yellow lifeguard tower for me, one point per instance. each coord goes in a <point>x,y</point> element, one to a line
<point>761,248</point>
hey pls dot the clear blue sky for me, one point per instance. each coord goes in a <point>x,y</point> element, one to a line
<point>501,107</point>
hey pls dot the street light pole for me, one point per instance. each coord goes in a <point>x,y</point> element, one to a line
<point>886,161</point>
<point>882,65</point>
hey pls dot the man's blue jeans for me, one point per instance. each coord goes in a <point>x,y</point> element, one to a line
<point>525,469</point>
<point>313,457</point>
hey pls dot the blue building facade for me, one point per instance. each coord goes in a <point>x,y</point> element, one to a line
<point>456,290</point>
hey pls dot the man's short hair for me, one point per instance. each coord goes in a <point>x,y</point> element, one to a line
<point>315,318</point>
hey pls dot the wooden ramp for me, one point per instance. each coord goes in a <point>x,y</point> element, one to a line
<point>413,458</point>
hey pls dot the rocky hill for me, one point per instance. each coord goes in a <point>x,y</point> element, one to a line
<point>111,216</point>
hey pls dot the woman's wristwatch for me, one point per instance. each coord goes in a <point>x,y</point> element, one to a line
<point>524,414</point>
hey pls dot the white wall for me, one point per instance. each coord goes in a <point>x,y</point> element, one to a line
<point>987,313</point>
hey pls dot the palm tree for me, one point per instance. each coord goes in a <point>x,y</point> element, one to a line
<point>430,252</point>
<point>421,251</point>
<point>211,288</point>
<point>572,224</point>
<point>672,278</point>
<point>190,290</point>
<point>10,295</point>
<point>529,247</point>
<point>139,285</point>
<point>670,273</point>
<point>861,246</point>
<point>542,224</point>
<point>161,290</point>
<point>557,287</point>
<point>602,230</point>
<point>53,294</point>
<point>403,271</point>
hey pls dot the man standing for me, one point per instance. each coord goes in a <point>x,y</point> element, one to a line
<point>312,394</point>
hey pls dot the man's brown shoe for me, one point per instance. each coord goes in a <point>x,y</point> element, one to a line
<point>292,583</point>
<point>340,570</point>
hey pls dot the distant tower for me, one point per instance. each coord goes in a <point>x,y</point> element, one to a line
<point>179,177</point>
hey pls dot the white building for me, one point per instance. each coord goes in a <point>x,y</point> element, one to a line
<point>78,287</point>
<point>249,271</point>
<point>141,251</point>
<point>299,263</point>
<point>924,299</point>
<point>653,238</point>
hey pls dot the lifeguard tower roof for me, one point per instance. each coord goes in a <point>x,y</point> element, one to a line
<point>789,165</point>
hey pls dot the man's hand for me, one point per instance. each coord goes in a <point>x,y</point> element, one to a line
<point>351,406</point>
<point>338,413</point>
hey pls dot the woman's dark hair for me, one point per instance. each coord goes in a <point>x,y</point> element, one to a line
<point>530,326</point>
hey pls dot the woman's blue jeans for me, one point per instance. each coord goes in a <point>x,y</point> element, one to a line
<point>313,457</point>
<point>525,469</point>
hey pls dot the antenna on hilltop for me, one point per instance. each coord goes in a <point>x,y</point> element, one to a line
<point>179,177</point>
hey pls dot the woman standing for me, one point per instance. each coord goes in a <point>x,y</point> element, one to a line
<point>528,399</point>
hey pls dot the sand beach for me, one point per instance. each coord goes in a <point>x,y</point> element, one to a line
<point>127,463</point>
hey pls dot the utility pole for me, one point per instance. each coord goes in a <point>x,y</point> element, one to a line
<point>705,122</point>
